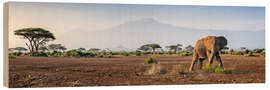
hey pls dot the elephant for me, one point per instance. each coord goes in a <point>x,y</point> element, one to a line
<point>208,47</point>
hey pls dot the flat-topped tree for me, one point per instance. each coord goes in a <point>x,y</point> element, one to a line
<point>147,47</point>
<point>144,48</point>
<point>94,50</point>
<point>81,49</point>
<point>189,48</point>
<point>175,48</point>
<point>36,37</point>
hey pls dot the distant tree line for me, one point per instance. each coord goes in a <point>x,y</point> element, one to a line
<point>38,38</point>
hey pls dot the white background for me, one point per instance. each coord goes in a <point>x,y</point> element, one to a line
<point>265,3</point>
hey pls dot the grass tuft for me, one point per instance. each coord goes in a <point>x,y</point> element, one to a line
<point>217,70</point>
<point>150,60</point>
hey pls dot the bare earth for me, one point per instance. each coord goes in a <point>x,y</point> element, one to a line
<point>127,70</point>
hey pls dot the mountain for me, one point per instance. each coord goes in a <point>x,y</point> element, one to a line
<point>131,35</point>
<point>121,48</point>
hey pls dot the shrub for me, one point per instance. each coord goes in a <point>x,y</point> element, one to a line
<point>43,54</point>
<point>72,53</point>
<point>76,53</point>
<point>57,54</point>
<point>209,68</point>
<point>160,53</point>
<point>115,53</point>
<point>237,53</point>
<point>217,70</point>
<point>11,56</point>
<point>150,60</point>
<point>16,54</point>
<point>138,53</point>
<point>185,54</point>
<point>262,54</point>
<point>226,52</point>
<point>26,54</point>
<point>146,53</point>
<point>89,54</point>
<point>170,52</point>
<point>109,55</point>
<point>250,54</point>
<point>257,50</point>
<point>124,53</point>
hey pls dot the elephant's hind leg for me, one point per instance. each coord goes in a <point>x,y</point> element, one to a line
<point>219,60</point>
<point>194,60</point>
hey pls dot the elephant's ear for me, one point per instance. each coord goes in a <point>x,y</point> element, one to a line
<point>209,42</point>
<point>222,41</point>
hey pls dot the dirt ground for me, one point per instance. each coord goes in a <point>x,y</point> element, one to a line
<point>127,70</point>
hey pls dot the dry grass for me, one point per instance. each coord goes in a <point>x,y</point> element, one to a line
<point>156,69</point>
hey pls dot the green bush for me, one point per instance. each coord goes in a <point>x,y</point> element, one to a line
<point>262,54</point>
<point>124,53</point>
<point>72,53</point>
<point>146,53</point>
<point>170,52</point>
<point>16,54</point>
<point>150,60</point>
<point>109,54</point>
<point>209,68</point>
<point>226,52</point>
<point>26,54</point>
<point>115,53</point>
<point>56,54</point>
<point>250,54</point>
<point>43,54</point>
<point>11,56</point>
<point>185,54</point>
<point>217,70</point>
<point>159,53</point>
<point>76,53</point>
<point>138,53</point>
<point>237,53</point>
<point>89,54</point>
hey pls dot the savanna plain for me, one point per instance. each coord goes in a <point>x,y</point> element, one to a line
<point>118,70</point>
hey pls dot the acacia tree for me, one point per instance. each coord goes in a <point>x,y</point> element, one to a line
<point>189,48</point>
<point>94,49</point>
<point>36,37</point>
<point>154,46</point>
<point>144,48</point>
<point>150,46</point>
<point>175,47</point>
<point>81,49</point>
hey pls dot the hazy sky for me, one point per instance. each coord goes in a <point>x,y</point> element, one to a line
<point>62,18</point>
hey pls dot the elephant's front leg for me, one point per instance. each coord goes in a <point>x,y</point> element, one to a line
<point>194,60</point>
